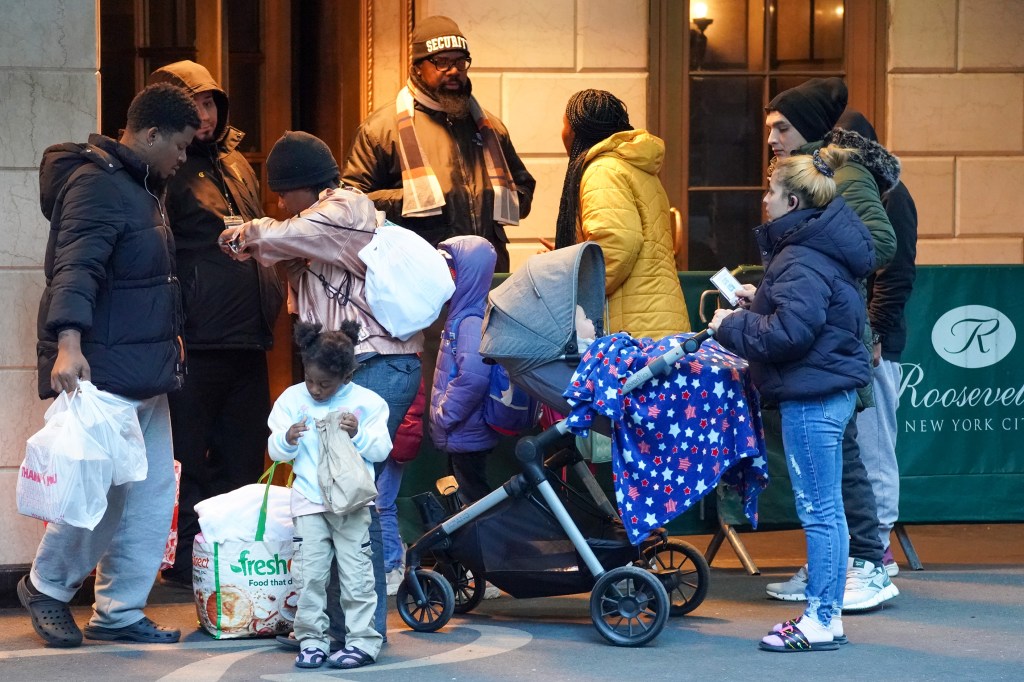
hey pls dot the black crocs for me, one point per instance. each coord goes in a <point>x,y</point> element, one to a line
<point>51,618</point>
<point>144,631</point>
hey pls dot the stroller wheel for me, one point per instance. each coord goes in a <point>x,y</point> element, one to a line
<point>629,606</point>
<point>437,608</point>
<point>468,587</point>
<point>693,572</point>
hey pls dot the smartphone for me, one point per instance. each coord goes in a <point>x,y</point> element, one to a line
<point>727,285</point>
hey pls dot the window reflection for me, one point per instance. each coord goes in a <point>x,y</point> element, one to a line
<point>754,50</point>
<point>720,228</point>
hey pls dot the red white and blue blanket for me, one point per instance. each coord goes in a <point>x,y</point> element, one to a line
<point>674,437</point>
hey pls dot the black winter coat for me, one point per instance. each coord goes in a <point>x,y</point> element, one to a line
<point>802,334</point>
<point>109,270</point>
<point>452,146</point>
<point>228,304</point>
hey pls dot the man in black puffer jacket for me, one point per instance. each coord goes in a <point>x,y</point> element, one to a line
<point>220,415</point>
<point>110,313</point>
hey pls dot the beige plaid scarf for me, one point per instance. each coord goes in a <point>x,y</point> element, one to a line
<point>422,195</point>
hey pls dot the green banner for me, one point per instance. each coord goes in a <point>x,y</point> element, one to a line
<point>961,414</point>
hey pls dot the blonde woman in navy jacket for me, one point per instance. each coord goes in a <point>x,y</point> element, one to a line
<point>800,331</point>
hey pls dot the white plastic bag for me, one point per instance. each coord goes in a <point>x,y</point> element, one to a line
<point>66,473</point>
<point>235,515</point>
<point>113,423</point>
<point>407,280</point>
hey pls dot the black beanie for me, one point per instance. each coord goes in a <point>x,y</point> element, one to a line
<point>436,34</point>
<point>300,160</point>
<point>855,121</point>
<point>813,107</point>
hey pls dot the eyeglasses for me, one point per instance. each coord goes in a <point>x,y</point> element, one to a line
<point>443,65</point>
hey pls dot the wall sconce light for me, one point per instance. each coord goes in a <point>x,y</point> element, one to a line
<point>699,41</point>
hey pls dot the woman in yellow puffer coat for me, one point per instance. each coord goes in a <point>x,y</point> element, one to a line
<point>612,196</point>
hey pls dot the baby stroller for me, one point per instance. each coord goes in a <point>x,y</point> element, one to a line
<point>536,535</point>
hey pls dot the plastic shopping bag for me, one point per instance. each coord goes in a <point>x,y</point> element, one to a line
<point>171,546</point>
<point>244,587</point>
<point>66,472</point>
<point>407,280</point>
<point>113,422</point>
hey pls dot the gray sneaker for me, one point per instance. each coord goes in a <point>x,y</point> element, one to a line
<point>792,589</point>
<point>867,586</point>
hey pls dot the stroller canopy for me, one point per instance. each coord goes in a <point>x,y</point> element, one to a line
<point>530,317</point>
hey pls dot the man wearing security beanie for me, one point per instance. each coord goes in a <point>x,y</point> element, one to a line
<point>320,243</point>
<point>800,121</point>
<point>433,160</point>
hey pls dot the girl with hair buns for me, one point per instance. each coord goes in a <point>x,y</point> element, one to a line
<point>612,196</point>
<point>321,536</point>
<point>800,330</point>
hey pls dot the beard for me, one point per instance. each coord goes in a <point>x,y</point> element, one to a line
<point>455,103</point>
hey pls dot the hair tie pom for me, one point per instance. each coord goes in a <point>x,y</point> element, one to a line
<point>820,164</point>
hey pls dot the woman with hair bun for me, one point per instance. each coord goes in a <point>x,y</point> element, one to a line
<point>612,196</point>
<point>800,330</point>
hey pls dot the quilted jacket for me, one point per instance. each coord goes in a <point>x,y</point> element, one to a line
<point>109,270</point>
<point>461,379</point>
<point>801,334</point>
<point>624,208</point>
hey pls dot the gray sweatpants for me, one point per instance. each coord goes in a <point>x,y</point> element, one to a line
<point>127,545</point>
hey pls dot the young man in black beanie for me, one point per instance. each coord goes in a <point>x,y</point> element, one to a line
<point>433,160</point>
<point>326,279</point>
<point>800,121</point>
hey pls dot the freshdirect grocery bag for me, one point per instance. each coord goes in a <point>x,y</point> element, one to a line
<point>241,573</point>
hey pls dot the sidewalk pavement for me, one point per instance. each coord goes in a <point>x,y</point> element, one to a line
<point>959,619</point>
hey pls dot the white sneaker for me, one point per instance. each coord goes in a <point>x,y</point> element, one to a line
<point>394,578</point>
<point>867,586</point>
<point>792,589</point>
<point>491,592</point>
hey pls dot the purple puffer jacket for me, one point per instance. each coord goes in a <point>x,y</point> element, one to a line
<point>461,379</point>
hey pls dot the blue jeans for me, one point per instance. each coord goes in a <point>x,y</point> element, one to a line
<point>389,481</point>
<point>395,378</point>
<point>877,440</point>
<point>812,435</point>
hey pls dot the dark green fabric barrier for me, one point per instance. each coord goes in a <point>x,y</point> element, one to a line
<point>960,427</point>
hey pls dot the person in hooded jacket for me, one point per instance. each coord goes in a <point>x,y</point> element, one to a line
<point>612,196</point>
<point>800,330</point>
<point>110,314</point>
<point>889,289</point>
<point>461,378</point>
<point>220,415</point>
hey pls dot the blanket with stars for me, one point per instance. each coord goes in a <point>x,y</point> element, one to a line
<point>674,437</point>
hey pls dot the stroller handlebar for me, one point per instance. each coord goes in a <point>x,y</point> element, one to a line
<point>663,365</point>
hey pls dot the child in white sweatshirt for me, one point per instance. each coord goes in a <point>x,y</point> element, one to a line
<point>320,535</point>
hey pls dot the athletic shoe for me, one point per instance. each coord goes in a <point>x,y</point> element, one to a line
<point>867,586</point>
<point>395,577</point>
<point>891,567</point>
<point>491,592</point>
<point>792,589</point>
